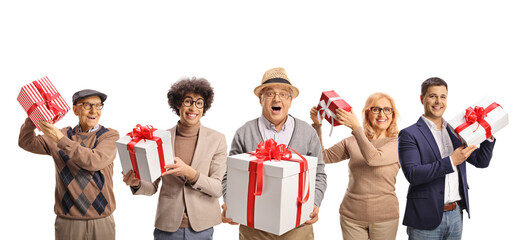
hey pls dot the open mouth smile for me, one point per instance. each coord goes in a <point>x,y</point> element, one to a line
<point>276,110</point>
<point>191,115</point>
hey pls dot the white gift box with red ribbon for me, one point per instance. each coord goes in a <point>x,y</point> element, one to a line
<point>146,151</point>
<point>328,104</point>
<point>277,209</point>
<point>479,121</point>
<point>42,102</point>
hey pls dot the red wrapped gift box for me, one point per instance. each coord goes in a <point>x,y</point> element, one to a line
<point>330,101</point>
<point>41,101</point>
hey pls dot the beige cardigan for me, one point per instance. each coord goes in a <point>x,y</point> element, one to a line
<point>371,193</point>
<point>202,198</point>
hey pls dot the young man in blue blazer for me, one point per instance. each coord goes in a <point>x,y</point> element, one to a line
<point>433,161</point>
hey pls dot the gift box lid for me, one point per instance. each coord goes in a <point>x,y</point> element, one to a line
<point>148,145</point>
<point>273,168</point>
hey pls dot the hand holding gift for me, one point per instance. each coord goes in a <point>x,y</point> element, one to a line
<point>461,154</point>
<point>348,119</point>
<point>50,131</point>
<point>180,168</point>
<point>224,219</point>
<point>130,179</point>
<point>314,216</point>
<point>313,116</point>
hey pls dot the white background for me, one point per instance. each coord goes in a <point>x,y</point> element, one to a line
<point>134,51</point>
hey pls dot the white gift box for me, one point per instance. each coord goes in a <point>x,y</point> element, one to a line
<point>146,154</point>
<point>475,133</point>
<point>275,210</point>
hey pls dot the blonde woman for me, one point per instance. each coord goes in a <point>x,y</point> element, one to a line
<point>370,209</point>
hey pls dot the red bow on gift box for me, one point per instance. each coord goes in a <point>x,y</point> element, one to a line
<point>477,114</point>
<point>144,133</point>
<point>266,151</point>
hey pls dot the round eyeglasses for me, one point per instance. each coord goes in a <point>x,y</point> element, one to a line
<point>386,110</point>
<point>89,106</point>
<point>188,101</point>
<point>272,94</point>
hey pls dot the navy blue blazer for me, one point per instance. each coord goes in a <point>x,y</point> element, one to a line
<point>425,170</point>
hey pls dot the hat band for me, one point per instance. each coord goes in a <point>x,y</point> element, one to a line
<point>277,80</point>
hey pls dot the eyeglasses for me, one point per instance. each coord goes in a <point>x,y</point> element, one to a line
<point>89,106</point>
<point>386,110</point>
<point>188,101</point>
<point>272,94</point>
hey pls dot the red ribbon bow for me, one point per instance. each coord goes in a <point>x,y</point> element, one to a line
<point>48,101</point>
<point>477,114</point>
<point>144,133</point>
<point>266,151</point>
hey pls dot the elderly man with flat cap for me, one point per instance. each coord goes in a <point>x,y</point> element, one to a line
<point>83,156</point>
<point>275,96</point>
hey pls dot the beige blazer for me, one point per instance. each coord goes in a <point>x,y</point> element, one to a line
<point>201,198</point>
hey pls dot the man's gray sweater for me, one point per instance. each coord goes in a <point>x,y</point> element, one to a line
<point>304,140</point>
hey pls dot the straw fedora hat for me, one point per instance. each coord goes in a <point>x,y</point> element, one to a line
<point>274,77</point>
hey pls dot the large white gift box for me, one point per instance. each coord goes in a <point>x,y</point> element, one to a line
<point>479,121</point>
<point>146,151</point>
<point>276,210</point>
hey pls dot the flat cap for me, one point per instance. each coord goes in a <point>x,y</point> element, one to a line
<point>88,93</point>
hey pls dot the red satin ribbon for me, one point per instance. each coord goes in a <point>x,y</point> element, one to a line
<point>48,101</point>
<point>144,133</point>
<point>269,150</point>
<point>477,114</point>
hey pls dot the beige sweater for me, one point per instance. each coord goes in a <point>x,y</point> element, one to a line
<point>83,166</point>
<point>370,196</point>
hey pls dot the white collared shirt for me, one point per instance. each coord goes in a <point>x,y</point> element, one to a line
<point>95,128</point>
<point>268,130</point>
<point>446,149</point>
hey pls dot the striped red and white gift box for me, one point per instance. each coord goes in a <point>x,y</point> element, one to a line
<point>41,101</point>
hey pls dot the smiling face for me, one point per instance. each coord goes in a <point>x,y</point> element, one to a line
<point>380,121</point>
<point>275,108</point>
<point>190,116</point>
<point>87,119</point>
<point>435,103</point>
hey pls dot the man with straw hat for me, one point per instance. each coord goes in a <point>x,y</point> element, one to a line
<point>275,96</point>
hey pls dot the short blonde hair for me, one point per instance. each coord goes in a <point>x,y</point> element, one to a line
<point>392,130</point>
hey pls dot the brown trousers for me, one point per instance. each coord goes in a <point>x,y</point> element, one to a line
<point>303,232</point>
<point>94,229</point>
<point>363,230</point>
